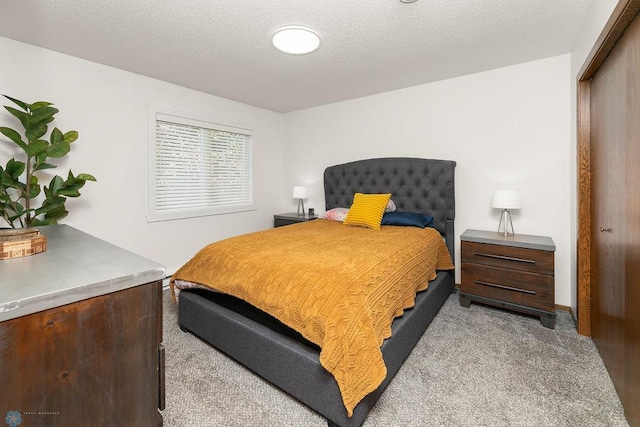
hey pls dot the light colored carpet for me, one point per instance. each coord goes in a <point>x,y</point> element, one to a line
<point>473,367</point>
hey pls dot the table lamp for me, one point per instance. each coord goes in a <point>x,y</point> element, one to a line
<point>506,200</point>
<point>300,193</point>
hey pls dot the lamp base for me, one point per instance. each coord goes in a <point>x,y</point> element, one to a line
<point>505,218</point>
<point>300,206</point>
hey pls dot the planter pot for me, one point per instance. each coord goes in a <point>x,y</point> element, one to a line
<point>21,242</point>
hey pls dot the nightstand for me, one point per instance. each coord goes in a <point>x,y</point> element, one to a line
<point>513,272</point>
<point>290,218</point>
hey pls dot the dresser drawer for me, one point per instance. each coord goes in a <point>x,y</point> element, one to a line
<point>513,286</point>
<point>522,259</point>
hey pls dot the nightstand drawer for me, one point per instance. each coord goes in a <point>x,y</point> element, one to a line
<point>523,259</point>
<point>517,287</point>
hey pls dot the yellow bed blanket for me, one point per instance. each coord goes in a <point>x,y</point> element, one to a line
<point>339,286</point>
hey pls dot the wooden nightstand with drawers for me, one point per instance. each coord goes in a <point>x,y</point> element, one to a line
<point>514,272</point>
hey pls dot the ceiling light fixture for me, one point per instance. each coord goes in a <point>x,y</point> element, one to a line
<point>295,40</point>
<point>408,1</point>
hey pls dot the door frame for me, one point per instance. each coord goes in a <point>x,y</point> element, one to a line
<point>622,16</point>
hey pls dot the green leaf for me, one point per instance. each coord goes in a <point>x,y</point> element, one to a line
<point>71,136</point>
<point>59,149</point>
<point>14,136</point>
<point>21,104</point>
<point>40,104</point>
<point>21,115</point>
<point>34,188</point>
<point>36,147</point>
<point>55,214</point>
<point>18,211</point>
<point>7,181</point>
<point>15,168</point>
<point>44,165</point>
<point>55,185</point>
<point>86,177</point>
<point>49,206</point>
<point>69,192</point>
<point>43,115</point>
<point>35,131</point>
<point>56,135</point>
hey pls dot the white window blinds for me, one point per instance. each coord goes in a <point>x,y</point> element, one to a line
<point>200,168</point>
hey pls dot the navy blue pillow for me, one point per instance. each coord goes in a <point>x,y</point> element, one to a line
<point>407,218</point>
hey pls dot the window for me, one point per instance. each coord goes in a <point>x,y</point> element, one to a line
<point>197,168</point>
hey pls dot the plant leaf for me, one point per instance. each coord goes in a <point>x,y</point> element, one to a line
<point>34,188</point>
<point>21,115</point>
<point>48,205</point>
<point>15,168</point>
<point>56,135</point>
<point>55,214</point>
<point>44,165</point>
<point>7,181</point>
<point>40,104</point>
<point>55,185</point>
<point>14,136</point>
<point>21,104</point>
<point>59,149</point>
<point>35,131</point>
<point>86,177</point>
<point>36,147</point>
<point>71,136</point>
<point>69,192</point>
<point>43,115</point>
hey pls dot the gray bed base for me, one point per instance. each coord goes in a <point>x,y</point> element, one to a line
<point>283,357</point>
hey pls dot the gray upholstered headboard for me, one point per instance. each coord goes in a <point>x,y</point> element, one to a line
<point>416,185</point>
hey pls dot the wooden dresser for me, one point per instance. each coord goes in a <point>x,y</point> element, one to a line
<point>513,272</point>
<point>81,334</point>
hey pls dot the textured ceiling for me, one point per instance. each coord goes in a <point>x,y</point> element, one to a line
<point>223,47</point>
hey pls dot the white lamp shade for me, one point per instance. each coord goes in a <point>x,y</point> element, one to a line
<point>300,192</point>
<point>506,199</point>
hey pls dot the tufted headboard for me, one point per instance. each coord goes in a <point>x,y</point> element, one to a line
<point>416,185</point>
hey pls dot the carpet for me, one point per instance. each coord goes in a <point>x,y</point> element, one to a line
<point>479,366</point>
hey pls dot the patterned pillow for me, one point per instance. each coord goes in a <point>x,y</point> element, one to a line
<point>367,210</point>
<point>391,206</point>
<point>336,214</point>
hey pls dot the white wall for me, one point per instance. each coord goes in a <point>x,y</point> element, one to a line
<point>597,17</point>
<point>108,107</point>
<point>505,128</point>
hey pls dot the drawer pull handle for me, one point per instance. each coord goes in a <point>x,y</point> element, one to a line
<point>508,258</point>
<point>161,378</point>
<point>509,288</point>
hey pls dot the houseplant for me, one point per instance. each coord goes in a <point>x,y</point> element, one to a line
<point>21,203</point>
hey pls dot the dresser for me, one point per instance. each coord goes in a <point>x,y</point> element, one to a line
<point>514,272</point>
<point>81,334</point>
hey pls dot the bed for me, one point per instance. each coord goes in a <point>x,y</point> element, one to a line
<point>286,358</point>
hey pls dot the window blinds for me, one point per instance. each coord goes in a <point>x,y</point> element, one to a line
<point>201,167</point>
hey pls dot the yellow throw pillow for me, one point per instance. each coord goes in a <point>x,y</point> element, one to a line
<point>367,210</point>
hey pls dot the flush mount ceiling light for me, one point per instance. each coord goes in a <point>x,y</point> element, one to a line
<point>408,1</point>
<point>295,40</point>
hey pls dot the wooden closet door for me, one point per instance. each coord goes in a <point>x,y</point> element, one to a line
<point>615,214</point>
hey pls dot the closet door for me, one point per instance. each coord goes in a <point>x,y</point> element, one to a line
<point>615,214</point>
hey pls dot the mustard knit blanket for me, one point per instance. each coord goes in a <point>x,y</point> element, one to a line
<point>339,286</point>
